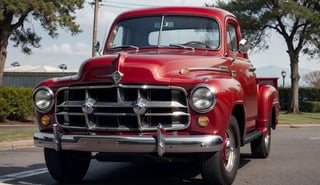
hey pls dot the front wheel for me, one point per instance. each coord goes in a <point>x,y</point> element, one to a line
<point>67,166</point>
<point>220,168</point>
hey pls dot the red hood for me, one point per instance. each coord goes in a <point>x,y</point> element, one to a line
<point>152,67</point>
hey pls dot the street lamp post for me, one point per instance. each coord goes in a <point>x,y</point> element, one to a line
<point>283,74</point>
<point>63,67</point>
<point>15,64</point>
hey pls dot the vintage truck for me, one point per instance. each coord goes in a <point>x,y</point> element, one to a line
<point>172,83</point>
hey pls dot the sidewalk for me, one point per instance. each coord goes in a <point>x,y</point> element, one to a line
<point>11,145</point>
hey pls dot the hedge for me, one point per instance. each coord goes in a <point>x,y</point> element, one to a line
<point>311,106</point>
<point>16,103</point>
<point>308,99</point>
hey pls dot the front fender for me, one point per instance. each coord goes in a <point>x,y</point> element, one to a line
<point>228,93</point>
<point>268,99</point>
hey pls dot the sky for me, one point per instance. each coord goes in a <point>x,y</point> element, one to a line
<point>73,50</point>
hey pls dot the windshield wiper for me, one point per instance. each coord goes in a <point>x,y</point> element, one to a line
<point>181,46</point>
<point>125,47</point>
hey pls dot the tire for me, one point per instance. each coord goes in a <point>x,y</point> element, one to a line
<point>67,166</point>
<point>260,147</point>
<point>220,168</point>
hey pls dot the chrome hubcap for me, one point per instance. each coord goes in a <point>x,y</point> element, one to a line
<point>267,140</point>
<point>230,154</point>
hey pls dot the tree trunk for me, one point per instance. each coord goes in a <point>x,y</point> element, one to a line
<point>295,77</point>
<point>3,57</point>
<point>4,37</point>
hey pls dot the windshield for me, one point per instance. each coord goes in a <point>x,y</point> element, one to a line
<point>166,31</point>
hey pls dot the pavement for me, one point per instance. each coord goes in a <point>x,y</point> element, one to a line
<point>12,145</point>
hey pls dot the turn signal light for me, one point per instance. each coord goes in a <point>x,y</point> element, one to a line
<point>45,120</point>
<point>203,121</point>
<point>184,71</point>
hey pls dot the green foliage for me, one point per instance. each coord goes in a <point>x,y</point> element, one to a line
<point>16,103</point>
<point>311,106</point>
<point>309,94</point>
<point>305,95</point>
<point>16,15</point>
<point>297,21</point>
<point>251,18</point>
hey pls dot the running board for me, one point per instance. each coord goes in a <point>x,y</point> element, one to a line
<point>252,136</point>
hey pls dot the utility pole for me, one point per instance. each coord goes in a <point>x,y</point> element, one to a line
<point>95,27</point>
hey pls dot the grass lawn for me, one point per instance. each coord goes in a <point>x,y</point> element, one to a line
<point>303,118</point>
<point>16,134</point>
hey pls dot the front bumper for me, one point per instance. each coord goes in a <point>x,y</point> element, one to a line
<point>129,144</point>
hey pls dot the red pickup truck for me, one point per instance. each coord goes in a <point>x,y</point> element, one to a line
<point>172,83</point>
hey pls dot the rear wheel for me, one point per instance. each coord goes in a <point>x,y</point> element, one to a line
<point>221,167</point>
<point>67,166</point>
<point>260,147</point>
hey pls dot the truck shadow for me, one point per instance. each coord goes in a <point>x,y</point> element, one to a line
<point>245,158</point>
<point>148,173</point>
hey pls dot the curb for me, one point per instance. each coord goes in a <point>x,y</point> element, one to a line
<point>16,145</point>
<point>298,125</point>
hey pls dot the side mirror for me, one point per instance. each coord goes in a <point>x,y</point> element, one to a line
<point>97,47</point>
<point>244,46</point>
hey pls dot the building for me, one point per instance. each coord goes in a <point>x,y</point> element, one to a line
<point>30,76</point>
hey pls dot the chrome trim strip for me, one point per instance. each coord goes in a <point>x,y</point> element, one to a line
<point>123,86</point>
<point>149,104</point>
<point>126,114</point>
<point>219,69</point>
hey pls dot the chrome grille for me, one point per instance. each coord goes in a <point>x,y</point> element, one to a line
<point>122,108</point>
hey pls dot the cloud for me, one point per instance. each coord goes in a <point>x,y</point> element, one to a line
<point>78,48</point>
<point>85,16</point>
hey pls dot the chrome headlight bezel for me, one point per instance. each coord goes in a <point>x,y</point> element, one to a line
<point>203,98</point>
<point>43,99</point>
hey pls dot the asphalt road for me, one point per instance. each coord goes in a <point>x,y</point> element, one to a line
<point>294,160</point>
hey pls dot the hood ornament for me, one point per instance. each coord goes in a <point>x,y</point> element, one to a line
<point>117,76</point>
<point>116,63</point>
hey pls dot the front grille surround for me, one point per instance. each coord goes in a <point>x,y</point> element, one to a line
<point>122,107</point>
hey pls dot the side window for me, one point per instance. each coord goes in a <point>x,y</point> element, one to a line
<point>232,38</point>
<point>118,39</point>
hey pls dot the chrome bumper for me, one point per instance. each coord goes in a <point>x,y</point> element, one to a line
<point>129,144</point>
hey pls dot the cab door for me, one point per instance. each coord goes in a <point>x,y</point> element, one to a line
<point>243,70</point>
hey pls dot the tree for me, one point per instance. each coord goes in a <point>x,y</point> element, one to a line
<point>312,78</point>
<point>297,21</point>
<point>17,18</point>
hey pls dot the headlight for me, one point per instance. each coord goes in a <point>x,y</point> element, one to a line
<point>203,98</point>
<point>43,99</point>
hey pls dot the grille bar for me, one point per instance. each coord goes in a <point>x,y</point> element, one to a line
<point>122,108</point>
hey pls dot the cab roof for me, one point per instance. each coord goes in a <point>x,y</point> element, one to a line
<point>178,10</point>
